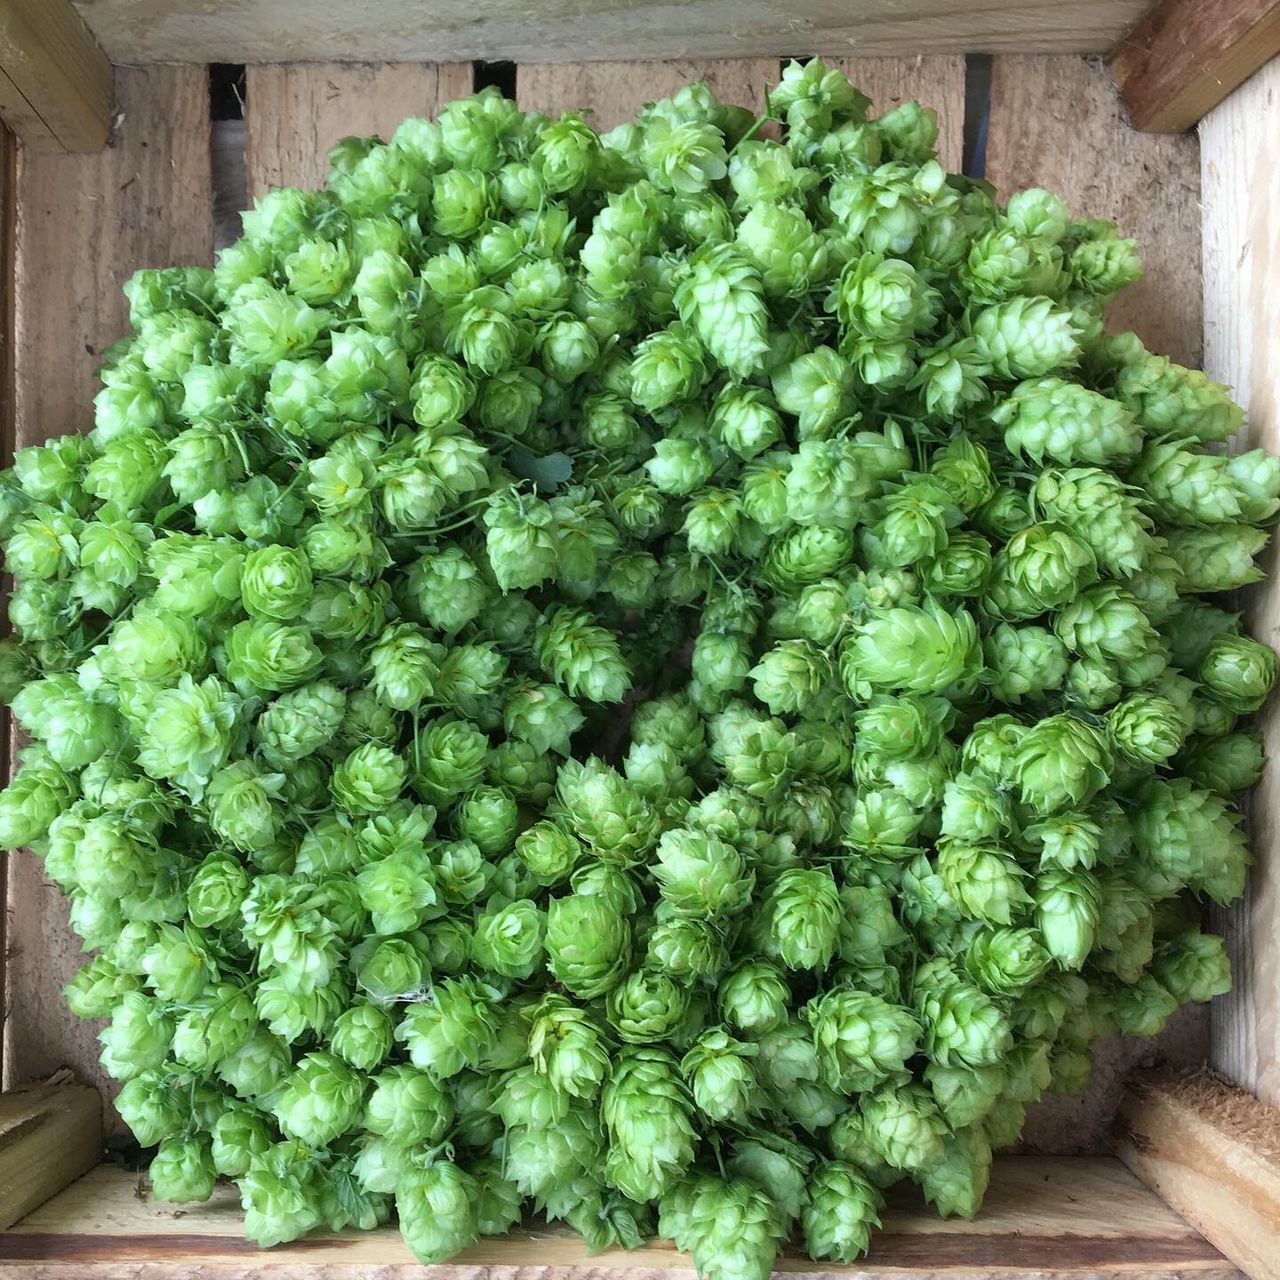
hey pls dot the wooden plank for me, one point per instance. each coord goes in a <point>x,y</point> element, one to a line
<point>1186,56</point>
<point>614,91</point>
<point>1051,1219</point>
<point>936,82</point>
<point>294,114</point>
<point>8,227</point>
<point>252,31</point>
<point>1212,1152</point>
<point>85,222</point>
<point>49,1136</point>
<point>1240,158</point>
<point>1057,122</point>
<point>55,82</point>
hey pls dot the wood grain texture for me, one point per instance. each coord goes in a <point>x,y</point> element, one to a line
<point>1057,122</point>
<point>1240,160</point>
<point>1186,56</point>
<point>936,82</point>
<point>294,114</point>
<point>563,30</point>
<point>1045,1219</point>
<point>55,82</point>
<point>1212,1152</point>
<point>49,1136</point>
<point>614,91</point>
<point>85,223</point>
<point>8,230</point>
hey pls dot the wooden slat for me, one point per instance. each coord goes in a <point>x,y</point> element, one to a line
<point>614,91</point>
<point>558,30</point>
<point>55,83</point>
<point>294,114</point>
<point>1057,122</point>
<point>49,1136</point>
<point>1186,56</point>
<point>1052,1219</point>
<point>1212,1152</point>
<point>936,82</point>
<point>8,227</point>
<point>84,224</point>
<point>1240,159</point>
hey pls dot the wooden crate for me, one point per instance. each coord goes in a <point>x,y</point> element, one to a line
<point>76,218</point>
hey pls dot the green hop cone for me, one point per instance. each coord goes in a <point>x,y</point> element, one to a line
<point>1146,727</point>
<point>909,649</point>
<point>842,1208</point>
<point>437,1210</point>
<point>861,1039</point>
<point>588,944</point>
<point>1239,671</point>
<point>722,1077</point>
<point>647,1116</point>
<point>1061,762</point>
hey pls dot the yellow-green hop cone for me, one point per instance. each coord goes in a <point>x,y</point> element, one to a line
<point>841,1210</point>
<point>1041,567</point>
<point>1227,764</point>
<point>1217,559</point>
<point>438,1210</point>
<point>1192,965</point>
<point>956,1185</point>
<point>588,944</point>
<point>909,649</point>
<point>1023,662</point>
<point>1193,836</point>
<point>1051,418</point>
<point>965,1094</point>
<point>1169,399</point>
<point>647,1114</point>
<point>1099,509</point>
<point>733,1228</point>
<point>860,1038</point>
<point>1067,907</point>
<point>1026,337</point>
<point>719,294</point>
<point>961,1023</point>
<point>722,1077</point>
<point>647,1007</point>
<point>1239,671</point>
<point>1006,961</point>
<point>1146,727</point>
<point>1061,762</point>
<point>606,811</point>
<point>905,1126</point>
<point>804,911</point>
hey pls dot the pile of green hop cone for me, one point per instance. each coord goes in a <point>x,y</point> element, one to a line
<point>668,680</point>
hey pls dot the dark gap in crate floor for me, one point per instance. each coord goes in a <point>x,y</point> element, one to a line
<point>502,75</point>
<point>228,98</point>
<point>227,91</point>
<point>977,113</point>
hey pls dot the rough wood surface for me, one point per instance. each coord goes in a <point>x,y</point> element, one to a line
<point>55,82</point>
<point>937,82</point>
<point>1057,122</point>
<point>615,91</point>
<point>1045,1219</point>
<point>49,1136</point>
<point>1240,157</point>
<point>294,114</point>
<point>85,222</point>
<point>563,30</point>
<point>1212,1152</point>
<point>1186,56</point>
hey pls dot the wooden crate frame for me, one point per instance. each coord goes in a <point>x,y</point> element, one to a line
<point>76,219</point>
